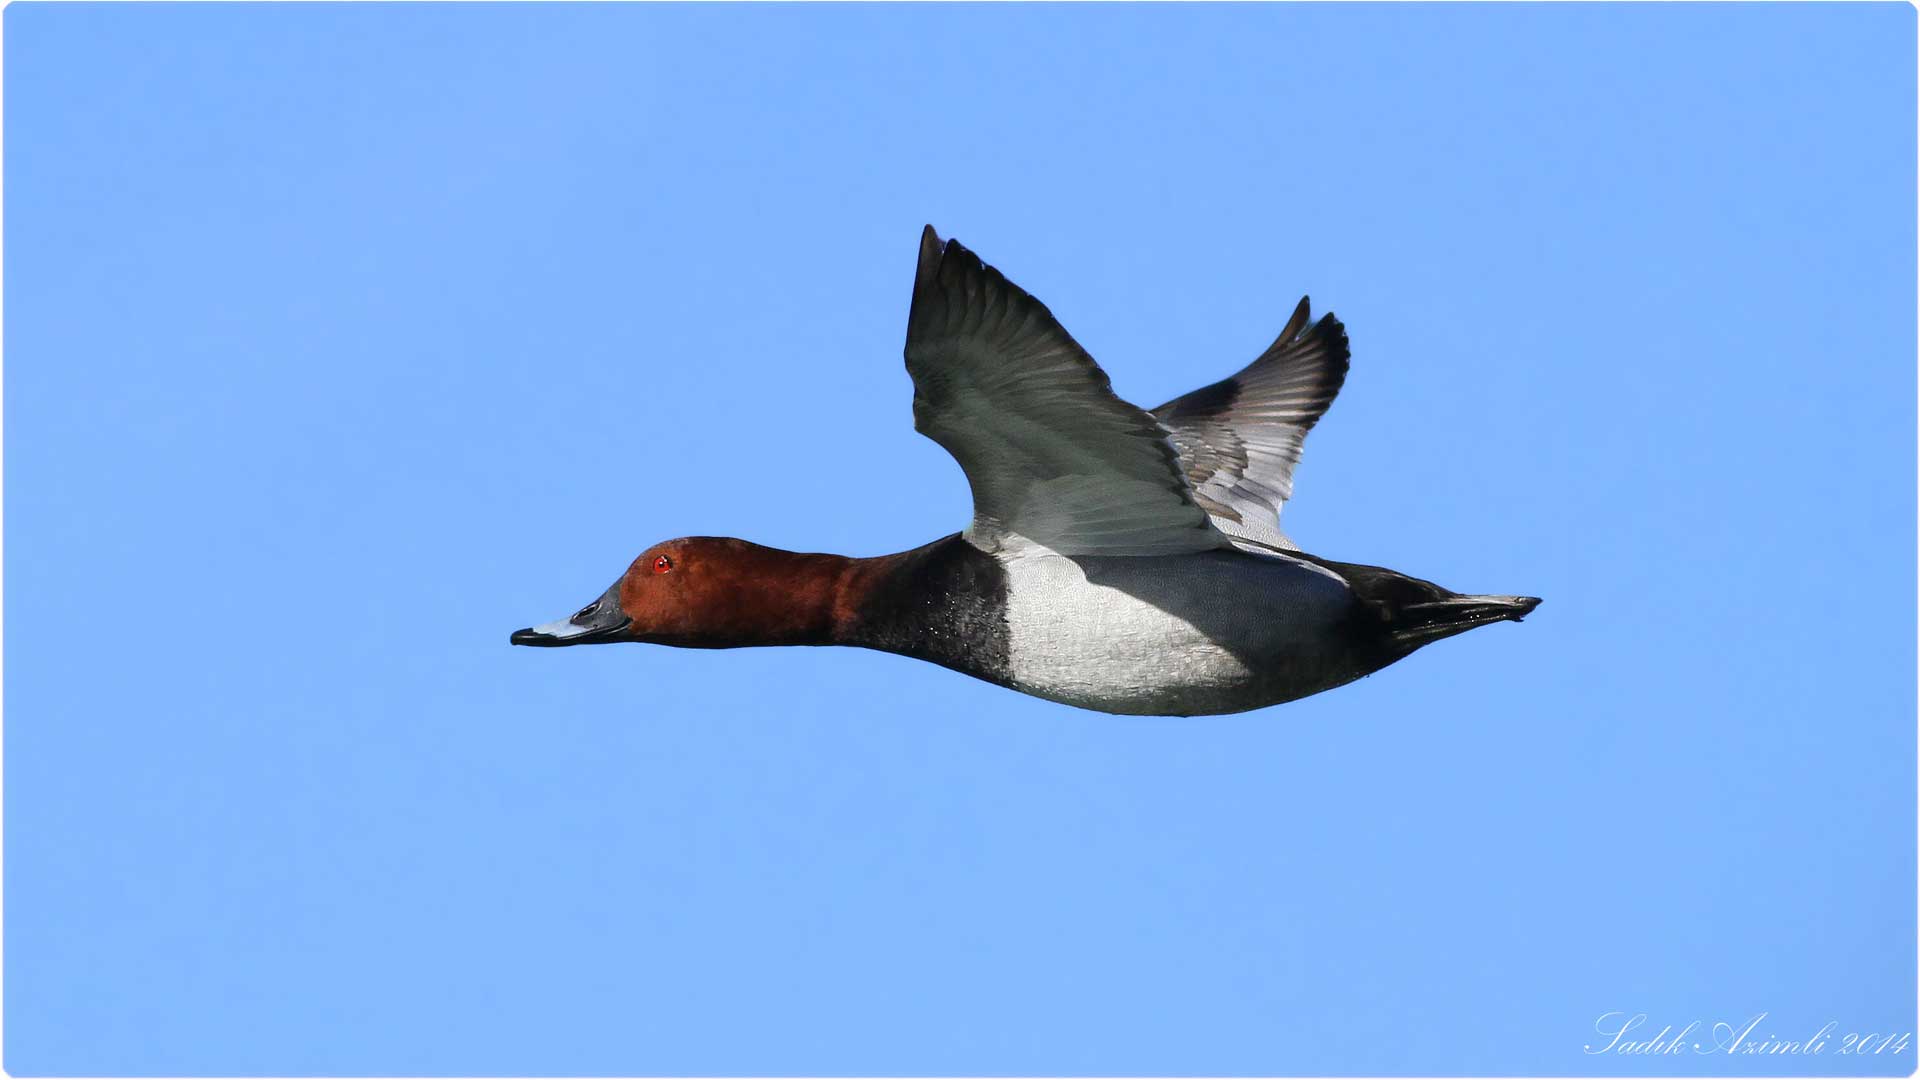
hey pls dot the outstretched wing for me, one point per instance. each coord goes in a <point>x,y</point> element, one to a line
<point>1054,458</point>
<point>1240,438</point>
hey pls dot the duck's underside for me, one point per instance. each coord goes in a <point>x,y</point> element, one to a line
<point>1194,634</point>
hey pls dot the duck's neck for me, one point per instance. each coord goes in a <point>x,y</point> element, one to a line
<point>770,597</point>
<point>759,595</point>
<point>944,602</point>
<point>941,602</point>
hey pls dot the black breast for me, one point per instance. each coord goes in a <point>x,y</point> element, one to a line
<point>945,603</point>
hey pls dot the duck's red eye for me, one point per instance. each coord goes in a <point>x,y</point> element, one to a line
<point>662,564</point>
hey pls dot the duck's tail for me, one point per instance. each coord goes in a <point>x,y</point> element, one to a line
<point>1406,612</point>
<point>1416,624</point>
<point>1410,612</point>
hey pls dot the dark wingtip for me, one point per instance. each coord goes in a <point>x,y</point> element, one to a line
<point>1333,333</point>
<point>1296,323</point>
<point>931,250</point>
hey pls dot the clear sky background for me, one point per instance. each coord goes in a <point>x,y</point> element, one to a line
<point>343,340</point>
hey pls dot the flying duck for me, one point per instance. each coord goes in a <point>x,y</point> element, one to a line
<point>1119,559</point>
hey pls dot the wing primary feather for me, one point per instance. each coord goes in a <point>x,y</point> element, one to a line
<point>1239,439</point>
<point>1055,459</point>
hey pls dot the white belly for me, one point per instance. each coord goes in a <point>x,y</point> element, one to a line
<point>1178,635</point>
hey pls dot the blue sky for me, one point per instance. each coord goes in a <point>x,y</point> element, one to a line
<point>343,340</point>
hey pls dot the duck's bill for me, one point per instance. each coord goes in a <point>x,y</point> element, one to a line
<point>601,620</point>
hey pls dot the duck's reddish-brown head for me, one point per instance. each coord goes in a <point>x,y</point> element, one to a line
<point>708,592</point>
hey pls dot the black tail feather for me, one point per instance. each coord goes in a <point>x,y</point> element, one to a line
<point>1418,624</point>
<point>1404,612</point>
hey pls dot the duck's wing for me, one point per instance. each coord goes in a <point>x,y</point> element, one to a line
<point>1054,458</point>
<point>1240,438</point>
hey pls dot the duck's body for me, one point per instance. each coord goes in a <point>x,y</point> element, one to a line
<point>1215,632</point>
<point>1177,633</point>
<point>1119,560</point>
